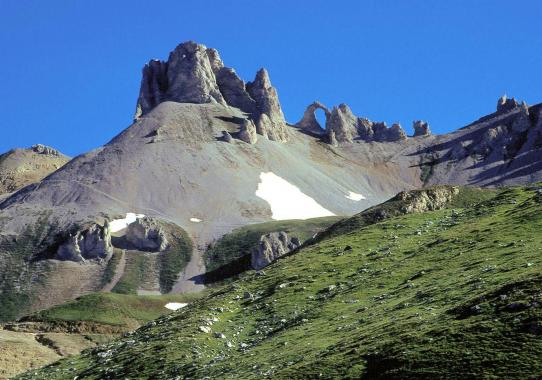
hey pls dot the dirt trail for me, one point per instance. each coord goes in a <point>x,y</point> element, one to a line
<point>119,272</point>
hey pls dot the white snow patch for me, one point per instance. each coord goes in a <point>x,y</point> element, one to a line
<point>354,196</point>
<point>286,200</point>
<point>120,224</point>
<point>175,305</point>
<point>195,220</point>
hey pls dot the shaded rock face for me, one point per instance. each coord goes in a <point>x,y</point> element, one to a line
<point>93,243</point>
<point>504,104</point>
<point>146,234</point>
<point>194,73</point>
<point>506,136</point>
<point>421,128</point>
<point>309,123</point>
<point>271,247</point>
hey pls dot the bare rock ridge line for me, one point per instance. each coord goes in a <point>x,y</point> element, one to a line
<point>194,73</point>
<point>342,126</point>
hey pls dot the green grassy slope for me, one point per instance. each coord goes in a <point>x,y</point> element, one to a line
<point>453,293</point>
<point>110,309</point>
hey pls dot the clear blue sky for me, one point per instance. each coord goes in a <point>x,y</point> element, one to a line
<point>71,69</point>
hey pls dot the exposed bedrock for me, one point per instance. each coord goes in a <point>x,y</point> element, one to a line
<point>146,234</point>
<point>272,246</point>
<point>421,128</point>
<point>88,244</point>
<point>194,73</point>
<point>342,126</point>
<point>309,122</point>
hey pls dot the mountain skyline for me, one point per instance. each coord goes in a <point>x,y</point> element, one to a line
<point>308,52</point>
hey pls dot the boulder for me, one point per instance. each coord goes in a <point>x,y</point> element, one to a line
<point>421,128</point>
<point>226,137</point>
<point>247,133</point>
<point>272,246</point>
<point>146,234</point>
<point>92,243</point>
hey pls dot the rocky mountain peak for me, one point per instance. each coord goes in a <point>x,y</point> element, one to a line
<point>504,104</point>
<point>421,128</point>
<point>194,73</point>
<point>46,150</point>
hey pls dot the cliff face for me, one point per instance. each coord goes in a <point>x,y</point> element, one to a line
<point>194,73</point>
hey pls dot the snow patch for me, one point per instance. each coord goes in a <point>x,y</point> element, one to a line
<point>354,196</point>
<point>175,305</point>
<point>286,200</point>
<point>195,220</point>
<point>120,224</point>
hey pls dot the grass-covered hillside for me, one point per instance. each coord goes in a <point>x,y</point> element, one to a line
<point>124,311</point>
<point>454,293</point>
<point>66,329</point>
<point>230,255</point>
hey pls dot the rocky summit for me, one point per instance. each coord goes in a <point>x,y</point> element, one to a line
<point>315,250</point>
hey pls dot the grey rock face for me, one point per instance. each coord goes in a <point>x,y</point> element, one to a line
<point>271,247</point>
<point>93,243</point>
<point>343,123</point>
<point>267,103</point>
<point>382,133</point>
<point>309,123</point>
<point>234,91</point>
<point>421,128</point>
<point>146,234</point>
<point>196,74</point>
<point>247,132</point>
<point>46,150</point>
<point>522,121</point>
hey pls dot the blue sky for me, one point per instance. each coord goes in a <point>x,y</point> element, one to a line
<point>71,69</point>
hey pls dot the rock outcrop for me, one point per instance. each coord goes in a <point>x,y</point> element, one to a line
<point>271,247</point>
<point>504,104</point>
<point>421,128</point>
<point>343,123</point>
<point>309,123</point>
<point>270,119</point>
<point>92,243</point>
<point>146,234</point>
<point>342,126</point>
<point>430,199</point>
<point>46,150</point>
<point>247,132</point>
<point>194,73</point>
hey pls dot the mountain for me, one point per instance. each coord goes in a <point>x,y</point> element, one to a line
<point>22,167</point>
<point>207,154</point>
<point>442,282</point>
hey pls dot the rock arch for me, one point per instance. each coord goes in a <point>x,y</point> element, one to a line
<point>309,123</point>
